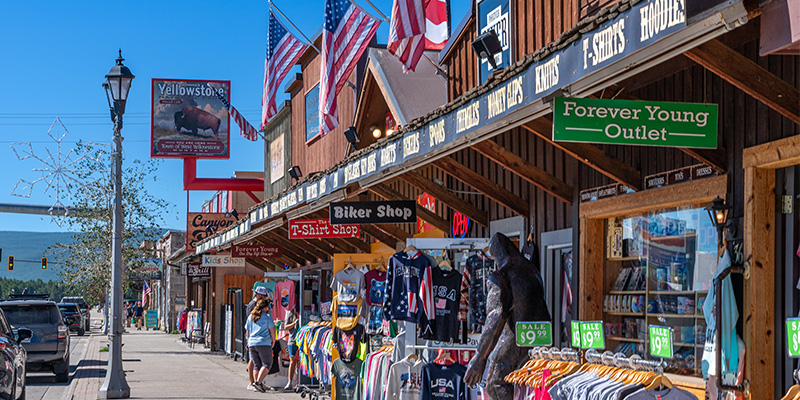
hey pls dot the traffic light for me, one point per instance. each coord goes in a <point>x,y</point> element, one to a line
<point>44,262</point>
<point>10,263</point>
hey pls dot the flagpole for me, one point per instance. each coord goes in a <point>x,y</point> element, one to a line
<point>439,69</point>
<point>310,43</point>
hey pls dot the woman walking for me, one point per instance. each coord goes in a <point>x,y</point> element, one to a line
<point>260,334</point>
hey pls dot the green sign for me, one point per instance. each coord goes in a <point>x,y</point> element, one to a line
<point>639,123</point>
<point>592,336</point>
<point>793,336</point>
<point>660,341</point>
<point>534,334</point>
<point>576,334</point>
<point>151,319</point>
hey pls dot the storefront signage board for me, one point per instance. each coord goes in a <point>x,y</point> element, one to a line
<point>793,337</point>
<point>660,341</point>
<point>320,229</point>
<point>596,53</point>
<point>635,123</point>
<point>460,225</point>
<point>202,225</point>
<point>188,119</point>
<point>151,319</point>
<point>222,261</point>
<point>592,335</point>
<point>373,212</point>
<point>576,334</point>
<point>257,251</point>
<point>536,333</point>
<point>679,175</point>
<point>495,15</point>
<point>197,271</point>
<point>149,269</point>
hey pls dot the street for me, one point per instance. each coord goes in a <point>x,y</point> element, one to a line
<point>41,385</point>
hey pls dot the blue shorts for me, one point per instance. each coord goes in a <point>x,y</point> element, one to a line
<point>293,350</point>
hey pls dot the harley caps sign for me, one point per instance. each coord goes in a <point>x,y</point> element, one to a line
<point>373,212</point>
<point>257,251</point>
<point>631,122</point>
<point>320,229</point>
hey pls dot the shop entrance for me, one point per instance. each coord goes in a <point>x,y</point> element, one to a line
<point>787,270</point>
<point>556,268</point>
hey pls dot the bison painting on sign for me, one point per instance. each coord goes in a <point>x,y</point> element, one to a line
<point>189,119</point>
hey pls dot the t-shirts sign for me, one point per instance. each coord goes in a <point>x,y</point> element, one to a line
<point>373,212</point>
<point>535,333</point>
<point>592,336</point>
<point>793,336</point>
<point>660,341</point>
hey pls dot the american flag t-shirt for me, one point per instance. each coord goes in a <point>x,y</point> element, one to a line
<point>283,51</point>
<point>346,34</point>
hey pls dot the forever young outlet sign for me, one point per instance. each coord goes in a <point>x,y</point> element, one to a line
<point>640,123</point>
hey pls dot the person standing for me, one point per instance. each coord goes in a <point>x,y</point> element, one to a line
<point>128,314</point>
<point>138,315</point>
<point>260,334</point>
<point>290,326</point>
<point>259,293</point>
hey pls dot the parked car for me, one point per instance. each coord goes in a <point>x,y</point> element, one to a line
<point>14,357</point>
<point>48,346</point>
<point>84,307</point>
<point>74,317</point>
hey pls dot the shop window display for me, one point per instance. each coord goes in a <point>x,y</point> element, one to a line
<point>659,267</point>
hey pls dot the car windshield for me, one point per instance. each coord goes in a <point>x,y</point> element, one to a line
<point>23,314</point>
<point>67,309</point>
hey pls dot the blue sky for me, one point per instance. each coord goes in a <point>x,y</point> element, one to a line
<point>55,55</point>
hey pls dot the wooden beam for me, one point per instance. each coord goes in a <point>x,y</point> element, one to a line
<point>525,170</point>
<point>780,153</point>
<point>759,291</point>
<point>394,230</point>
<point>592,252</point>
<point>317,245</point>
<point>749,77</point>
<point>261,264</point>
<point>380,235</point>
<point>423,213</point>
<point>482,184</point>
<point>715,158</point>
<point>348,244</point>
<point>304,250</point>
<point>447,197</point>
<point>357,243</point>
<point>590,155</point>
<point>286,252</point>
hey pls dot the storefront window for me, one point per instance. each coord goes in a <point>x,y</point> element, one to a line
<point>659,267</point>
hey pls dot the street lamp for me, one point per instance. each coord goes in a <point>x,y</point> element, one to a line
<point>117,85</point>
<point>718,212</point>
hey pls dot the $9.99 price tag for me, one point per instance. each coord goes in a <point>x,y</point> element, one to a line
<point>536,333</point>
<point>591,334</point>
<point>660,341</point>
<point>793,336</point>
<point>576,334</point>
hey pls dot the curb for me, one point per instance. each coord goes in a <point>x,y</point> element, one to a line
<point>81,374</point>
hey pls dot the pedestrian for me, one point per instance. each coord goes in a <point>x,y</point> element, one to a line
<point>138,315</point>
<point>259,293</point>
<point>129,314</point>
<point>260,334</point>
<point>290,326</point>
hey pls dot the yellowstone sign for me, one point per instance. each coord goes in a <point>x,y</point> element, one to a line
<point>638,123</point>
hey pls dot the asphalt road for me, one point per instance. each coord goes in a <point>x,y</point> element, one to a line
<point>42,385</point>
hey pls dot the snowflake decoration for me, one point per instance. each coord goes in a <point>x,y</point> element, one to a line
<point>57,172</point>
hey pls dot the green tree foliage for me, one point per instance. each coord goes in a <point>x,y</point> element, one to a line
<point>85,264</point>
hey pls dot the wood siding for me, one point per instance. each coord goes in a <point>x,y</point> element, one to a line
<point>281,124</point>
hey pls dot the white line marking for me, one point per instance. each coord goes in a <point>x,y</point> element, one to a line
<point>583,129</point>
<point>687,134</point>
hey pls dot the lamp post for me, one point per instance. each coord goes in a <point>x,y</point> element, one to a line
<point>718,212</point>
<point>117,85</point>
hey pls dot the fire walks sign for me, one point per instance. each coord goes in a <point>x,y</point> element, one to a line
<point>638,123</point>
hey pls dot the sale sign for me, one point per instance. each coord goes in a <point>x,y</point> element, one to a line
<point>660,341</point>
<point>257,251</point>
<point>320,229</point>
<point>576,334</point>
<point>592,336</point>
<point>793,336</point>
<point>537,333</point>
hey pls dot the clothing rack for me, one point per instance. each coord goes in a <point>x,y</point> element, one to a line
<point>620,360</point>
<point>554,353</point>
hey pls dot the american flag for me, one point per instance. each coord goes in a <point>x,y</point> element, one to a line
<point>246,129</point>
<point>283,51</point>
<point>407,32</point>
<point>145,294</point>
<point>436,33</point>
<point>347,32</point>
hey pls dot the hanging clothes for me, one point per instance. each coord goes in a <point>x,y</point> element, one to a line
<point>730,350</point>
<point>375,374</point>
<point>405,380</point>
<point>285,299</point>
<point>409,294</point>
<point>480,267</point>
<point>376,289</point>
<point>346,314</point>
<point>348,342</point>
<point>443,382</point>
<point>447,299</point>
<point>347,379</point>
<point>348,284</point>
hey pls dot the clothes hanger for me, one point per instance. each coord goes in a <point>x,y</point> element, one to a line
<point>445,263</point>
<point>444,357</point>
<point>349,264</point>
<point>410,249</point>
<point>380,266</point>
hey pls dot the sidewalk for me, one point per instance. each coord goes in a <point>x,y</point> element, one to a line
<point>158,366</point>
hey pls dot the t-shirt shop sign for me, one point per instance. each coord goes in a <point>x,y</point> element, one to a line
<point>373,212</point>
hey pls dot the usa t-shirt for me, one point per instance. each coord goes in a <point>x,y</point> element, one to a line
<point>443,382</point>
<point>446,300</point>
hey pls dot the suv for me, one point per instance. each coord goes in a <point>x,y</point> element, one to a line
<point>83,306</point>
<point>48,347</point>
<point>73,317</point>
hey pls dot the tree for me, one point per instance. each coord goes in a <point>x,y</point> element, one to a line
<point>85,264</point>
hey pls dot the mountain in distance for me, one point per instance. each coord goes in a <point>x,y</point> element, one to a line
<point>30,246</point>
